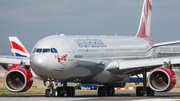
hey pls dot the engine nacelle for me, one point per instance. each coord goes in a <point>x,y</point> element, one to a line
<point>162,79</point>
<point>18,80</point>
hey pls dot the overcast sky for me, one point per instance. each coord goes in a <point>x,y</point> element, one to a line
<point>31,20</point>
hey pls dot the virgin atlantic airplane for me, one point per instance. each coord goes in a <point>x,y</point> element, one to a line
<point>100,60</point>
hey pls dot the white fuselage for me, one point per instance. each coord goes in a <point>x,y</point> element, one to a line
<point>85,58</point>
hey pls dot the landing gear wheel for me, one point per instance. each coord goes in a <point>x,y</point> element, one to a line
<point>139,91</point>
<point>47,93</point>
<point>70,91</point>
<point>54,93</point>
<point>150,92</point>
<point>101,91</point>
<point>110,91</point>
<point>60,91</point>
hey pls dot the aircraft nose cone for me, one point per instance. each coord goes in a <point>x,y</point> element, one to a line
<point>40,60</point>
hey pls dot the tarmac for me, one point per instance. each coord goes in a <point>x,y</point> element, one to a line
<point>123,96</point>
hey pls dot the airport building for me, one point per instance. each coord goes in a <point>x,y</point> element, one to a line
<point>167,51</point>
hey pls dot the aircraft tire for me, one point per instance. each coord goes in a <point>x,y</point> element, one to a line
<point>60,91</point>
<point>101,91</point>
<point>54,93</point>
<point>70,91</point>
<point>150,92</point>
<point>110,91</point>
<point>47,93</point>
<point>139,91</point>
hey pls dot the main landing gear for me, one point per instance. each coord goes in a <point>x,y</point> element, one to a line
<point>140,91</point>
<point>59,91</point>
<point>103,90</point>
<point>70,91</point>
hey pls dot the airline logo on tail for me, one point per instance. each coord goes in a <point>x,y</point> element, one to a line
<point>145,21</point>
<point>17,48</point>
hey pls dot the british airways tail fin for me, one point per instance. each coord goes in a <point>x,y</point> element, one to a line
<point>17,48</point>
<point>145,21</point>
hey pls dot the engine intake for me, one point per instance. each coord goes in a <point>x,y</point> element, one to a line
<point>162,79</point>
<point>18,80</point>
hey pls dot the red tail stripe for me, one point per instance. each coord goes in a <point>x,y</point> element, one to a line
<point>16,46</point>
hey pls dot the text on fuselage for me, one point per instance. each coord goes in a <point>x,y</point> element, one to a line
<point>90,43</point>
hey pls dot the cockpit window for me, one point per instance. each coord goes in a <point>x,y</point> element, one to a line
<point>46,50</point>
<point>55,50</point>
<point>34,50</point>
<point>38,50</point>
<point>52,51</point>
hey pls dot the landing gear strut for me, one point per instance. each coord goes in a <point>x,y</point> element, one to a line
<point>51,92</point>
<point>140,91</point>
<point>109,90</point>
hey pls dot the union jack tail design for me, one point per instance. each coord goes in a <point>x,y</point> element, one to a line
<point>17,48</point>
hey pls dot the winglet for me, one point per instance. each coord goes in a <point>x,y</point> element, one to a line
<point>145,21</point>
<point>17,48</point>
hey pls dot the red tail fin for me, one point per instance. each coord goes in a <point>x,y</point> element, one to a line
<point>145,21</point>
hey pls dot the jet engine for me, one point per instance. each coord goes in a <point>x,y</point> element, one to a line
<point>162,79</point>
<point>18,80</point>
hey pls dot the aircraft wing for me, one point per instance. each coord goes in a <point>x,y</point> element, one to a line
<point>5,60</point>
<point>13,60</point>
<point>135,66</point>
<point>166,43</point>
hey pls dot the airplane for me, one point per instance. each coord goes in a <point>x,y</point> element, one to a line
<point>94,60</point>
<point>18,49</point>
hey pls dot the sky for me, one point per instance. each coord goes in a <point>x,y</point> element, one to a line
<point>32,20</point>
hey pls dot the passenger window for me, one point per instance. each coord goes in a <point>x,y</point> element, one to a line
<point>39,50</point>
<point>46,50</point>
<point>55,50</point>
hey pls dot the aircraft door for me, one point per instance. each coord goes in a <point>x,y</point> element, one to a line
<point>68,50</point>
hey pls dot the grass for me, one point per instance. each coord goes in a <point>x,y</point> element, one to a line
<point>4,91</point>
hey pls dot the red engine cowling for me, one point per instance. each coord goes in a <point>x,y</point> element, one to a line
<point>162,79</point>
<point>18,80</point>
